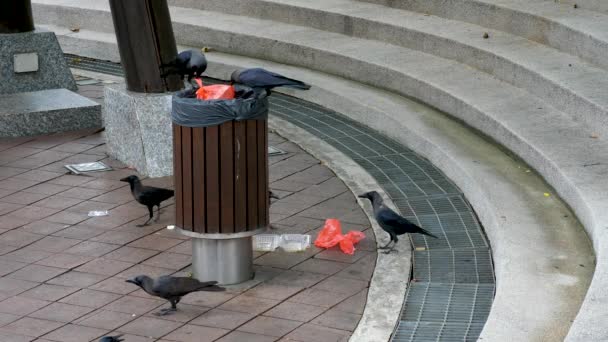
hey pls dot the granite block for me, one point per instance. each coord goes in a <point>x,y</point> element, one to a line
<point>139,129</point>
<point>46,111</point>
<point>52,72</point>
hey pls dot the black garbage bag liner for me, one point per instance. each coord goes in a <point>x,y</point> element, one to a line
<point>248,104</point>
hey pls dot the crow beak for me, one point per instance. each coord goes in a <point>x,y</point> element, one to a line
<point>362,196</point>
<point>132,281</point>
<point>124,179</point>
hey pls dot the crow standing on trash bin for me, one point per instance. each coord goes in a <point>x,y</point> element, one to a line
<point>390,221</point>
<point>116,338</point>
<point>172,288</point>
<point>191,63</point>
<point>261,78</point>
<point>148,196</point>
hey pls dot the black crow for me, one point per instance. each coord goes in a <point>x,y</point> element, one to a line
<point>191,63</point>
<point>172,288</point>
<point>116,338</point>
<point>261,78</point>
<point>390,221</point>
<point>148,195</point>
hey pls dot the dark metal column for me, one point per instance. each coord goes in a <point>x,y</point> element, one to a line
<point>145,42</point>
<point>16,16</point>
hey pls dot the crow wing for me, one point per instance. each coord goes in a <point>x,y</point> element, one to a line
<point>153,196</point>
<point>258,77</point>
<point>167,286</point>
<point>398,224</point>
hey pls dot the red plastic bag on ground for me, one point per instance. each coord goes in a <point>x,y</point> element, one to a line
<point>214,91</point>
<point>331,235</point>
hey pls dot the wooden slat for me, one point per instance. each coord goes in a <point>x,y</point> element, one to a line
<point>212,179</point>
<point>262,190</point>
<point>187,176</point>
<point>240,182</point>
<point>198,175</point>
<point>227,178</point>
<point>252,175</point>
<point>177,175</point>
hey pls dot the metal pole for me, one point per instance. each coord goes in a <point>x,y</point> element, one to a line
<point>145,43</point>
<point>16,16</point>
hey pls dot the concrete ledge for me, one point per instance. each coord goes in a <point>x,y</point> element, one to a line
<point>138,129</point>
<point>46,111</point>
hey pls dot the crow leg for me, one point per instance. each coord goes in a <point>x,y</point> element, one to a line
<point>158,214</point>
<point>168,311</point>
<point>395,239</point>
<point>151,214</point>
<point>389,242</point>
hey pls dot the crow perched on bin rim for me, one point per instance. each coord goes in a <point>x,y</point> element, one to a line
<point>172,288</point>
<point>148,195</point>
<point>191,63</point>
<point>261,78</point>
<point>116,338</point>
<point>390,221</point>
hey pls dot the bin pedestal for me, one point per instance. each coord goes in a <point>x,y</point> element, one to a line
<point>227,261</point>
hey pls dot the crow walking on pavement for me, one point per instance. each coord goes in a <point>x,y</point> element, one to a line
<point>172,288</point>
<point>261,78</point>
<point>390,221</point>
<point>116,338</point>
<point>191,63</point>
<point>148,195</point>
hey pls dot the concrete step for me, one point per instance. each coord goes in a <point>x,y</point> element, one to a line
<point>580,32</point>
<point>565,81</point>
<point>46,111</point>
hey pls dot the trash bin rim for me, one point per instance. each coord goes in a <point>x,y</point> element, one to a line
<point>219,236</point>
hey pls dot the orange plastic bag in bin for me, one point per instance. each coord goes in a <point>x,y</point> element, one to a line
<point>214,91</point>
<point>331,235</point>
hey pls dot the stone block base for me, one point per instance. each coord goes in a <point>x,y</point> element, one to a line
<point>138,129</point>
<point>46,111</point>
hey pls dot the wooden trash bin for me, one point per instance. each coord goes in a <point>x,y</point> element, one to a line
<point>221,194</point>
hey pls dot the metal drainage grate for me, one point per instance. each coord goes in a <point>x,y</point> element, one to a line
<point>454,298</point>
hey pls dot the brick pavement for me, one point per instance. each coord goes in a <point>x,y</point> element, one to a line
<point>62,273</point>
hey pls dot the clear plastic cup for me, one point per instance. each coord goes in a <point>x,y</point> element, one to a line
<point>97,213</point>
<point>295,242</point>
<point>266,242</point>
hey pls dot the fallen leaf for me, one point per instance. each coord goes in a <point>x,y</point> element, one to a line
<point>547,194</point>
<point>74,29</point>
<point>595,135</point>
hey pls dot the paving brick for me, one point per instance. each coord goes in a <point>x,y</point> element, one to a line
<point>86,206</point>
<point>58,202</point>
<point>71,147</point>
<point>16,183</point>
<point>338,320</point>
<point>296,278</point>
<point>240,336</point>
<point>67,217</point>
<point>22,197</point>
<point>173,261</point>
<point>8,266</point>
<point>104,184</point>
<point>70,180</point>
<point>207,299</point>
<point>148,326</point>
<point>6,171</point>
<point>184,314</point>
<point>21,306</point>
<point>37,273</point>
<point>104,319</point>
<point>114,285</point>
<point>74,333</point>
<point>249,304</point>
<point>140,269</point>
<point>49,292</point>
<point>82,193</point>
<point>196,333</point>
<point>354,304</point>
<point>6,208</point>
<point>54,244</point>
<point>315,265</point>
<point>47,189</point>
<point>104,266</point>
<point>7,318</point>
<point>134,305</point>
<point>362,269</point>
<point>79,232</point>
<point>19,238</point>
<point>38,175</point>
<point>61,312</point>
<point>223,319</point>
<point>66,261</point>
<point>91,248</point>
<point>271,326</point>
<point>280,259</point>
<point>295,311</point>
<point>319,298</point>
<point>335,254</point>
<point>90,298</point>
<point>274,291</point>
<point>27,255</point>
<point>131,254</point>
<point>10,221</point>
<point>155,242</point>
<point>342,285</point>
<point>11,287</point>
<point>78,279</point>
<point>31,327</point>
<point>316,333</point>
<point>43,227</point>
